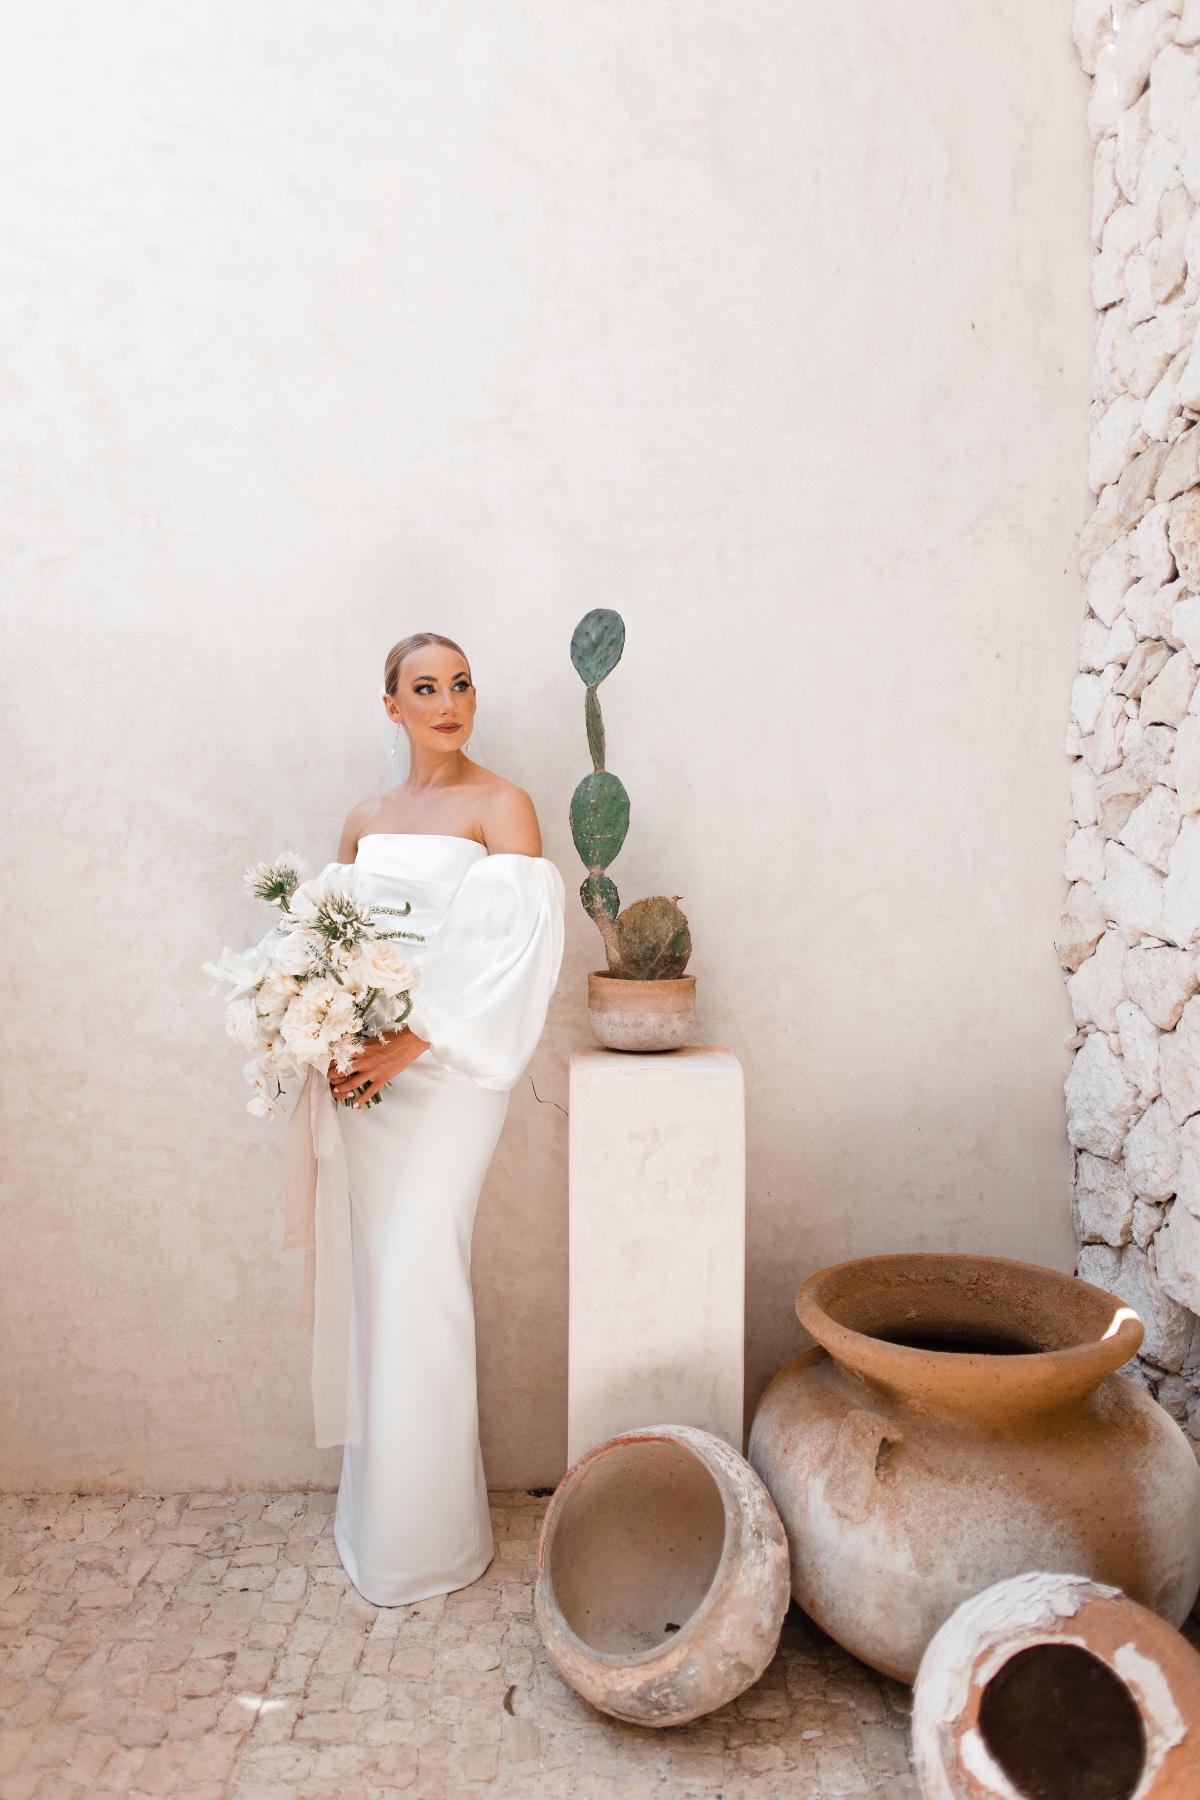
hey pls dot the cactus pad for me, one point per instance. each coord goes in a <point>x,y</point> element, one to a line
<point>599,820</point>
<point>596,645</point>
<point>594,720</point>
<point>600,898</point>
<point>653,940</point>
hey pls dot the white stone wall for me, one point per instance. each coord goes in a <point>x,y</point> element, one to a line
<point>1129,937</point>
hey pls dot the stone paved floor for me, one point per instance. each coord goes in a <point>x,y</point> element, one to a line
<point>211,1645</point>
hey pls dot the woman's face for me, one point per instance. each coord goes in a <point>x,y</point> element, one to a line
<point>434,699</point>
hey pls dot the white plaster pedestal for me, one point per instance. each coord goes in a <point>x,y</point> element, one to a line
<point>658,1244</point>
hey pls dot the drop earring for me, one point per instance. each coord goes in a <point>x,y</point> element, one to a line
<point>395,742</point>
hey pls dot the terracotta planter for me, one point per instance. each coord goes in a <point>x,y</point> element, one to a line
<point>1051,1684</point>
<point>662,1576</point>
<point>641,1015</point>
<point>963,1423</point>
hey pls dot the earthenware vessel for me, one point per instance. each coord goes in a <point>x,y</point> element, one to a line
<point>1055,1685</point>
<point>641,1015</point>
<point>662,1576</point>
<point>962,1422</point>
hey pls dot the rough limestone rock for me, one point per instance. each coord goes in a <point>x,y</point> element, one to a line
<point>1087,697</point>
<point>1101,1202</point>
<point>1098,985</point>
<point>1177,1258</point>
<point>1168,1326</point>
<point>1116,797</point>
<point>1101,1100</point>
<point>1179,1064</point>
<point>1139,1048</point>
<point>1121,506</point>
<point>1165,701</point>
<point>1161,982</point>
<point>1111,577</point>
<point>1151,546</point>
<point>1144,664</point>
<point>1080,927</point>
<point>1181,470</point>
<point>1147,1218</point>
<point>1152,827</point>
<point>1185,764</point>
<point>1185,619</point>
<point>1132,894</point>
<point>1180,920</point>
<point>1151,1154</point>
<point>1083,859</point>
<point>1183,535</point>
<point>1187,1177</point>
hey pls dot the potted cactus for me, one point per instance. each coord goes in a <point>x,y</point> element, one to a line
<point>643,1000</point>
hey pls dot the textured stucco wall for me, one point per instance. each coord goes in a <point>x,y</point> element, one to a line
<point>764,322</point>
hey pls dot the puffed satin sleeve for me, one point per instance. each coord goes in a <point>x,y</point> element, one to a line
<point>488,974</point>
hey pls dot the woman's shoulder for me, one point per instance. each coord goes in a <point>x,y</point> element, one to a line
<point>507,816</point>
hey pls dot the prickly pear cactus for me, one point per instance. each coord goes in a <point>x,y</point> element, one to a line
<point>650,940</point>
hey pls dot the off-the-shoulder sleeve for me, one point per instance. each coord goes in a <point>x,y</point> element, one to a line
<point>488,974</point>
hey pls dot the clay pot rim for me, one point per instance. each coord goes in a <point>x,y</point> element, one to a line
<point>677,1646</point>
<point>650,982</point>
<point>877,1358</point>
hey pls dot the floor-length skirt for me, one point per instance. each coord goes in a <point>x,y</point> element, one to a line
<point>412,1515</point>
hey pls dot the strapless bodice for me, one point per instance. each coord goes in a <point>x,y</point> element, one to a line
<point>427,872</point>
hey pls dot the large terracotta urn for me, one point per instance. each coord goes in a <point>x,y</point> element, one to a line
<point>962,1421</point>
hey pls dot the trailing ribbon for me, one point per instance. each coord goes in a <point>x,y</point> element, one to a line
<point>317,1221</point>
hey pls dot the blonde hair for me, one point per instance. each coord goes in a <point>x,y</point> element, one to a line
<point>420,640</point>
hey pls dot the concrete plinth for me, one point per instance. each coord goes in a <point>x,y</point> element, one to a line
<point>658,1236</point>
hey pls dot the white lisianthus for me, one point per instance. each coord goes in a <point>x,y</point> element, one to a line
<point>243,969</point>
<point>241,1021</point>
<point>386,967</point>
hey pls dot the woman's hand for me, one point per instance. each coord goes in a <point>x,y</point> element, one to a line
<point>377,1062</point>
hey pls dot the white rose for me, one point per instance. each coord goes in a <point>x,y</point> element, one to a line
<point>386,967</point>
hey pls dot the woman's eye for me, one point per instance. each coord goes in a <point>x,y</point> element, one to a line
<point>461,687</point>
<point>425,687</point>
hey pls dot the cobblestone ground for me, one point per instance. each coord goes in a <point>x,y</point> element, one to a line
<point>210,1645</point>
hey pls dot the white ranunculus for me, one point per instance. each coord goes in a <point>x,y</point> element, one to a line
<point>385,966</point>
<point>319,1015</point>
<point>244,969</point>
<point>241,1021</point>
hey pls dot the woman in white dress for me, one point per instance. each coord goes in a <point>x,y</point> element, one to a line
<point>462,847</point>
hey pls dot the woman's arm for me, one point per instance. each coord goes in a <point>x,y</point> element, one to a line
<point>510,823</point>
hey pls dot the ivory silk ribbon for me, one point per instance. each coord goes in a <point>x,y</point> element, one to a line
<point>317,1221</point>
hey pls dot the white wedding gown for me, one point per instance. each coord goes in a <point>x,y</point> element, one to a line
<point>412,1514</point>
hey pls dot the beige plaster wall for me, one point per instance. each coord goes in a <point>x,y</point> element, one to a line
<point>764,321</point>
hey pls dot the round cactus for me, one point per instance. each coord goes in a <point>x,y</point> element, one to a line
<point>653,940</point>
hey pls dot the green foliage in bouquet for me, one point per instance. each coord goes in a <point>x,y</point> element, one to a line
<point>650,940</point>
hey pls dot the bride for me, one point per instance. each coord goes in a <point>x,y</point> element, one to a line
<point>462,847</point>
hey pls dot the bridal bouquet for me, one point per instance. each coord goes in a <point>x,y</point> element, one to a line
<point>330,975</point>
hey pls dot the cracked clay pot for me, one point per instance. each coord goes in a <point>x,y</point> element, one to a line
<point>961,1422</point>
<point>662,1576</point>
